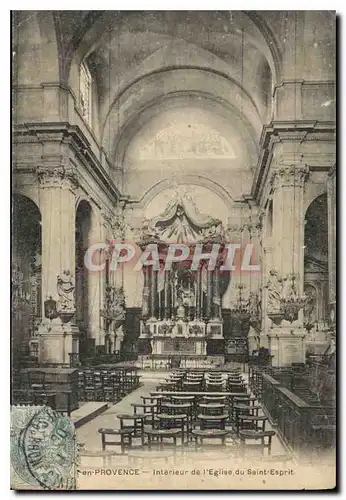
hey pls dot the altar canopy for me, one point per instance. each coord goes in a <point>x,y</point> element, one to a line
<point>182,222</point>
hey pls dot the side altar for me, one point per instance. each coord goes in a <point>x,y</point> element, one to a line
<point>181,321</point>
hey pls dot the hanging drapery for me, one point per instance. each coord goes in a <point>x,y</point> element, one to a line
<point>181,222</point>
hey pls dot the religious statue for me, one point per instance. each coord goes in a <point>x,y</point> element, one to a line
<point>180,309</point>
<point>275,291</point>
<point>310,316</point>
<point>66,291</point>
<point>255,310</point>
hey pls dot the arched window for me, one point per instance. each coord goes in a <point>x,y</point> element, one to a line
<point>85,92</point>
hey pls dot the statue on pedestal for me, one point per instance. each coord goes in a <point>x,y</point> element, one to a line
<point>275,291</point>
<point>66,291</point>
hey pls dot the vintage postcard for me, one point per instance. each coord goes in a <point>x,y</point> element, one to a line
<point>173,250</point>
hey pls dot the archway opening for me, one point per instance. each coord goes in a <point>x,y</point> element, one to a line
<point>316,273</point>
<point>83,227</point>
<point>26,278</point>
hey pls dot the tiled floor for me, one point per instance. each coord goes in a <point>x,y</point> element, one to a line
<point>89,436</point>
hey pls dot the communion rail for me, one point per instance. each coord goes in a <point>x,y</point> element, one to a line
<point>304,427</point>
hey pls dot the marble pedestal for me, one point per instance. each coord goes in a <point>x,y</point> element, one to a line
<point>287,345</point>
<point>57,340</point>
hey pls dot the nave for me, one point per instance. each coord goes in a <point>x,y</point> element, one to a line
<point>185,420</point>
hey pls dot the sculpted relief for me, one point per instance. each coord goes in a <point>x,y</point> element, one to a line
<point>191,141</point>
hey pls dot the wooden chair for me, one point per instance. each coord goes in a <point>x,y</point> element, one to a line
<point>136,425</point>
<point>125,438</point>
<point>215,388</point>
<point>148,409</point>
<point>243,409</point>
<point>212,421</point>
<point>159,435</point>
<point>252,422</point>
<point>201,434</point>
<point>211,408</point>
<point>177,421</point>
<point>255,435</point>
<point>191,386</point>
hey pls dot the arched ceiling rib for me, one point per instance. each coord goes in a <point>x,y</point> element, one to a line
<point>168,81</point>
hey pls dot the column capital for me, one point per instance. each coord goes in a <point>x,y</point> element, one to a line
<point>59,176</point>
<point>289,175</point>
<point>116,222</point>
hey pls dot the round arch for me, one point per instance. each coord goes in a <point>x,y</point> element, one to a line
<point>198,80</point>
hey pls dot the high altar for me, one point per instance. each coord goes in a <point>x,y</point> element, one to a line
<point>181,310</point>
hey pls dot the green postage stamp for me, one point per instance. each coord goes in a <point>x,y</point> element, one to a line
<point>43,449</point>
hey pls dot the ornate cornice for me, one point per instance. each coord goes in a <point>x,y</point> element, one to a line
<point>280,132</point>
<point>72,136</point>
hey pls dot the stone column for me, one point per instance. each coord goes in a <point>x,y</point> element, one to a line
<point>288,179</point>
<point>331,193</point>
<point>209,293</point>
<point>146,292</point>
<point>167,298</point>
<point>95,281</point>
<point>198,294</point>
<point>153,294</point>
<point>57,204</point>
<point>288,219</point>
<point>216,294</point>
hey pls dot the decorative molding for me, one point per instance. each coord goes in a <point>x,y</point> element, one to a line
<point>322,136</point>
<point>292,135</point>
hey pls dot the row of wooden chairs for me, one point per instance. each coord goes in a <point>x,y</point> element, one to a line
<point>159,419</point>
<point>210,382</point>
<point>105,385</point>
<point>32,388</point>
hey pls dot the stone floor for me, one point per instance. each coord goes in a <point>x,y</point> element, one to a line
<point>91,439</point>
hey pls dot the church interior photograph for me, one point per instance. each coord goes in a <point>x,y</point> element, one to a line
<point>174,230</point>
